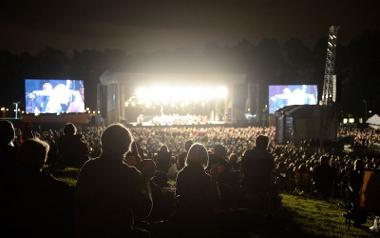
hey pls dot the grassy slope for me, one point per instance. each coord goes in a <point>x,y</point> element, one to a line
<point>300,217</point>
<point>319,218</point>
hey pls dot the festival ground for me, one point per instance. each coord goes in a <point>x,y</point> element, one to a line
<point>299,216</point>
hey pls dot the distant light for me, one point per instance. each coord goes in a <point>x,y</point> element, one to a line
<point>345,120</point>
<point>351,120</point>
<point>98,112</point>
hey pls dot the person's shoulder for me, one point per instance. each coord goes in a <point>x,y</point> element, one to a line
<point>187,171</point>
<point>182,154</point>
<point>131,170</point>
<point>268,154</point>
<point>248,153</point>
<point>91,164</point>
<point>58,184</point>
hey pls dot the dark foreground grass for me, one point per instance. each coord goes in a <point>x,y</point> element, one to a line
<point>68,175</point>
<point>299,217</point>
<point>321,219</point>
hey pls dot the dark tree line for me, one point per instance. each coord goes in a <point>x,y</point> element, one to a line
<point>267,62</point>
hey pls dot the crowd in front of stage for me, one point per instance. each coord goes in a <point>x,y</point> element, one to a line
<point>126,188</point>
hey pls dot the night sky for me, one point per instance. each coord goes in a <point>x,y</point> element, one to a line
<point>154,25</point>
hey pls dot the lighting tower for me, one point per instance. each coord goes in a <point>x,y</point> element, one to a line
<point>329,83</point>
<point>16,109</point>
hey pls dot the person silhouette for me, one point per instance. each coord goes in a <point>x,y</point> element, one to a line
<point>33,198</point>
<point>110,195</point>
<point>7,150</point>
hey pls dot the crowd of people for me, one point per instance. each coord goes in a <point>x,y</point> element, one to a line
<point>126,187</point>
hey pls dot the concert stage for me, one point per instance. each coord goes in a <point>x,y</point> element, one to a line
<point>172,99</point>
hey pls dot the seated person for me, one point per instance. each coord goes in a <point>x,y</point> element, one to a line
<point>110,195</point>
<point>33,198</point>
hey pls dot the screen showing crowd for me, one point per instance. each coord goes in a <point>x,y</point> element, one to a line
<point>54,96</point>
<point>287,95</point>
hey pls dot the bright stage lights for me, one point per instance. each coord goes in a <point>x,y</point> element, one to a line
<point>179,94</point>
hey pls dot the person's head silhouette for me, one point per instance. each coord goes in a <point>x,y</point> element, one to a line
<point>7,132</point>
<point>188,144</point>
<point>197,155</point>
<point>220,151</point>
<point>69,129</point>
<point>262,142</point>
<point>116,140</point>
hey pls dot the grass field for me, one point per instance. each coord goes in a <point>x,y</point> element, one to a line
<point>321,219</point>
<point>299,217</point>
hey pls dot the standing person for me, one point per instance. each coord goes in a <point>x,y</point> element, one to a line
<point>257,166</point>
<point>111,195</point>
<point>182,156</point>
<point>7,149</point>
<point>356,176</point>
<point>163,159</point>
<point>324,177</point>
<point>234,162</point>
<point>195,194</point>
<point>133,157</point>
<point>72,150</point>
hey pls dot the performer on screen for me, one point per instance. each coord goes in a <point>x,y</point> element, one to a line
<point>59,99</point>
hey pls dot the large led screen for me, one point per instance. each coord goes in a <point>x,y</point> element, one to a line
<point>54,96</point>
<point>286,95</point>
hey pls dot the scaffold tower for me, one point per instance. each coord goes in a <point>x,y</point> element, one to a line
<point>329,83</point>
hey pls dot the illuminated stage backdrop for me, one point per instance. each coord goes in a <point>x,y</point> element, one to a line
<point>167,99</point>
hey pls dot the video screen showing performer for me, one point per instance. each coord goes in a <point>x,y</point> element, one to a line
<point>54,96</point>
<point>286,95</point>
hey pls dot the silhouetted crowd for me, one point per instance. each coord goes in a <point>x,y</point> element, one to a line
<point>160,182</point>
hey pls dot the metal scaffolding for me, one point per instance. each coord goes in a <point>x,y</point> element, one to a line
<point>329,83</point>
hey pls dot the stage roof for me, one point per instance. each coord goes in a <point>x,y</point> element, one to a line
<point>134,79</point>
